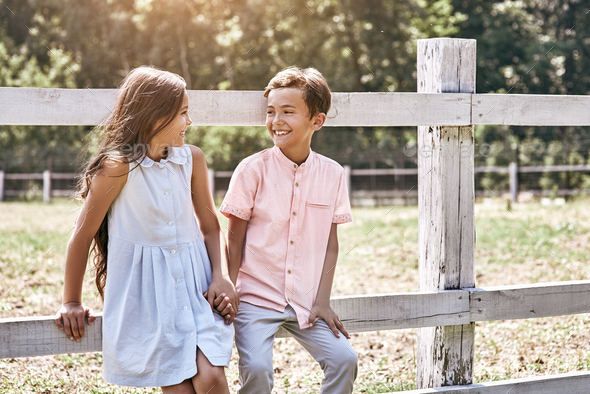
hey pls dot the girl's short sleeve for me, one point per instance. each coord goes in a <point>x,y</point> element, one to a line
<point>239,199</point>
<point>342,211</point>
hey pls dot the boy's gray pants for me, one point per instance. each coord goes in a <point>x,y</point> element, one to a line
<point>255,329</point>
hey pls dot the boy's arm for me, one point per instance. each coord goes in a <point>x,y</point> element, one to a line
<point>221,294</point>
<point>322,307</point>
<point>236,236</point>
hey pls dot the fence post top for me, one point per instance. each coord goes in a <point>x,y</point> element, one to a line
<point>447,39</point>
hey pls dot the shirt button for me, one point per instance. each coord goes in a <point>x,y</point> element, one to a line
<point>292,242</point>
<point>297,184</point>
<point>294,213</point>
<point>173,251</point>
<point>166,193</point>
<point>294,165</point>
<point>170,223</point>
<point>289,271</point>
<point>178,280</point>
<point>192,334</point>
<point>185,307</point>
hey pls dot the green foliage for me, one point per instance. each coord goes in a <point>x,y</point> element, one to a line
<point>536,47</point>
<point>358,46</point>
<point>27,148</point>
<point>226,146</point>
<point>22,70</point>
<point>369,45</point>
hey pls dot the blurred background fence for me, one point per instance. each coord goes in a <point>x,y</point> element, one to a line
<point>367,187</point>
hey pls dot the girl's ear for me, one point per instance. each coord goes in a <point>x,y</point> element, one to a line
<point>319,121</point>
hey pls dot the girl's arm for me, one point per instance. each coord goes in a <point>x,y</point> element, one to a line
<point>221,288</point>
<point>105,186</point>
<point>322,307</point>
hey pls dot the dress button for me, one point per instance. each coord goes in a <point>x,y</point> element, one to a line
<point>292,242</point>
<point>178,280</point>
<point>170,223</point>
<point>185,307</point>
<point>173,251</point>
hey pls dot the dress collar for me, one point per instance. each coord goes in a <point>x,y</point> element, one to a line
<point>177,155</point>
<point>291,164</point>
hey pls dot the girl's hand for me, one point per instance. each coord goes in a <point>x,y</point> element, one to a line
<point>70,318</point>
<point>223,297</point>
<point>325,312</point>
<point>222,306</point>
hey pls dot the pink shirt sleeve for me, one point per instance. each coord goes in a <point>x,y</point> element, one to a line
<point>239,199</point>
<point>342,211</point>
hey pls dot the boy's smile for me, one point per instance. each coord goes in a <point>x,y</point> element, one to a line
<point>289,123</point>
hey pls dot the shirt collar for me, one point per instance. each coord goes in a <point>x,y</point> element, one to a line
<point>291,164</point>
<point>177,155</point>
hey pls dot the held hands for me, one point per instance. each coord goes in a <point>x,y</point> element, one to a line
<point>324,311</point>
<point>70,318</point>
<point>223,298</point>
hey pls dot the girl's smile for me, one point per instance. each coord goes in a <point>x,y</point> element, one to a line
<point>173,135</point>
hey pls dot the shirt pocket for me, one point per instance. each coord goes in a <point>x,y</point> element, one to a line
<point>319,205</point>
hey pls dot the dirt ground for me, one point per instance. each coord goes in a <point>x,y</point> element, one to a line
<point>378,254</point>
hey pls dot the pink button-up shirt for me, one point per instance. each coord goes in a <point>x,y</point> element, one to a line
<point>290,210</point>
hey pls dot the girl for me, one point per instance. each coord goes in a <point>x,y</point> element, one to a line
<point>141,193</point>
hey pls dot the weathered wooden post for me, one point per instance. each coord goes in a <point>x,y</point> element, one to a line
<point>47,186</point>
<point>446,200</point>
<point>1,185</point>
<point>513,177</point>
<point>348,176</point>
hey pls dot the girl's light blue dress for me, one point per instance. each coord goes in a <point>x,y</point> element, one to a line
<point>155,315</point>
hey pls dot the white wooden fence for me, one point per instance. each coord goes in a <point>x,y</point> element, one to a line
<point>448,304</point>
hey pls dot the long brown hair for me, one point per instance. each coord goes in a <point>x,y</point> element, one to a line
<point>148,100</point>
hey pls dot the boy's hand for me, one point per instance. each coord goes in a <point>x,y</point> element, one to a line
<point>223,298</point>
<point>325,312</point>
<point>70,318</point>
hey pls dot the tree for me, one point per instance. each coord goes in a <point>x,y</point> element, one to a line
<point>537,47</point>
<point>28,148</point>
<point>358,46</point>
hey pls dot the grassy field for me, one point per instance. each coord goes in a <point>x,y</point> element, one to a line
<point>378,254</point>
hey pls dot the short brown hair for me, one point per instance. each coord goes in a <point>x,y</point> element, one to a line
<point>315,90</point>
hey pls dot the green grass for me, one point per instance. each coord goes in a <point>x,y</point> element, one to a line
<point>378,254</point>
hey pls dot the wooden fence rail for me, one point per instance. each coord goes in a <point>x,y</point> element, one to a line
<point>446,108</point>
<point>570,383</point>
<point>36,336</point>
<point>63,107</point>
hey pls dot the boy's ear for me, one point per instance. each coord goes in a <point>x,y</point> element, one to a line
<point>319,121</point>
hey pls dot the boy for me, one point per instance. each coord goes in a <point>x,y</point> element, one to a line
<point>284,205</point>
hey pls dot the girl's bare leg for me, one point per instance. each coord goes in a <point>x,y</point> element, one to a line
<point>209,379</point>
<point>185,387</point>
